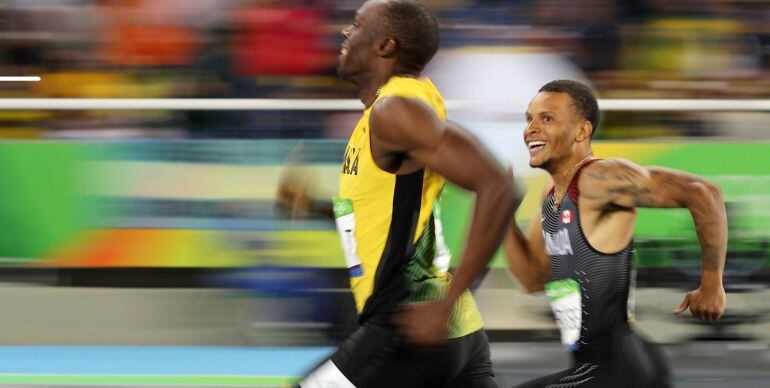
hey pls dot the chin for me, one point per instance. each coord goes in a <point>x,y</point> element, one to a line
<point>341,73</point>
<point>534,163</point>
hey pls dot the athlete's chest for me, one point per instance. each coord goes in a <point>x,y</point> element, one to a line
<point>559,226</point>
<point>587,224</point>
<point>360,177</point>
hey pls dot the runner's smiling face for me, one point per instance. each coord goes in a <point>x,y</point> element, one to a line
<point>359,49</point>
<point>552,126</point>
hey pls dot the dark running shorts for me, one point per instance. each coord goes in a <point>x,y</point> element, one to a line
<point>375,356</point>
<point>629,362</point>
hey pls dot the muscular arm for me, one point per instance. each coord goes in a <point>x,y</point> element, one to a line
<point>622,183</point>
<point>526,255</point>
<point>408,127</point>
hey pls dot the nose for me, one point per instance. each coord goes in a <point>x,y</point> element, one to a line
<point>531,128</point>
<point>346,32</point>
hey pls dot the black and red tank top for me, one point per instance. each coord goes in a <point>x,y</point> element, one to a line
<point>603,280</point>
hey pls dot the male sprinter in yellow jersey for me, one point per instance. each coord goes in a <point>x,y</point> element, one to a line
<point>393,172</point>
<point>579,248</point>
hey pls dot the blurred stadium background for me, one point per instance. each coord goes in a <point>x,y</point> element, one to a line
<point>145,247</point>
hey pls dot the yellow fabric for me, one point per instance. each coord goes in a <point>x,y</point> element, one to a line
<point>371,191</point>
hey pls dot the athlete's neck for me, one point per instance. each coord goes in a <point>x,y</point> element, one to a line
<point>369,88</point>
<point>562,173</point>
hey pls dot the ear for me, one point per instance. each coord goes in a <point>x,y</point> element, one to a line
<point>584,131</point>
<point>386,47</point>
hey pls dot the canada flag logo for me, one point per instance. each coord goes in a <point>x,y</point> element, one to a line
<point>566,217</point>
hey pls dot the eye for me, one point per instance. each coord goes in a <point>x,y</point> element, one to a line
<point>547,118</point>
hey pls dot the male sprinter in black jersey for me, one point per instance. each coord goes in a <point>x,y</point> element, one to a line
<point>395,165</point>
<point>579,249</point>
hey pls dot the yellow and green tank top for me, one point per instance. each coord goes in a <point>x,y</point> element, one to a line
<point>388,226</point>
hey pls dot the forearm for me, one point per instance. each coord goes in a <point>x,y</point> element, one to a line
<point>708,212</point>
<point>492,212</point>
<point>293,205</point>
<point>525,266</point>
<point>665,188</point>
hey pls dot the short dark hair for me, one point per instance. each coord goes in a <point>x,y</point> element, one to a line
<point>583,99</point>
<point>415,29</point>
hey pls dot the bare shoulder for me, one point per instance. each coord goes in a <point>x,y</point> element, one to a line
<point>616,171</point>
<point>607,178</point>
<point>395,118</point>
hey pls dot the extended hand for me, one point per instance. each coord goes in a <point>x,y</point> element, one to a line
<point>424,323</point>
<point>704,304</point>
<point>295,192</point>
<point>293,200</point>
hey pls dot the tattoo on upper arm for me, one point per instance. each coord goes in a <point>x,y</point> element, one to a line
<point>655,194</point>
<point>621,182</point>
<point>661,189</point>
<point>627,186</point>
<point>622,185</point>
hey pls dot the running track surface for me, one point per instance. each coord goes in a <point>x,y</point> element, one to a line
<point>703,366</point>
<point>154,366</point>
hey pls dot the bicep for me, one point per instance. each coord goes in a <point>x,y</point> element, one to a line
<point>625,184</point>
<point>456,155</point>
<point>535,233</point>
<point>676,189</point>
<point>666,189</point>
<point>411,127</point>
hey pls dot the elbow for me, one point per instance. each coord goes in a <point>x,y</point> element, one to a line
<point>709,191</point>
<point>715,190</point>
<point>503,195</point>
<point>508,195</point>
<point>531,287</point>
<point>528,282</point>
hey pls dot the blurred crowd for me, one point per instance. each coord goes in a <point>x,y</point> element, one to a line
<point>288,49</point>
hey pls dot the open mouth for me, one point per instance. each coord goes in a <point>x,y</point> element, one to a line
<point>535,146</point>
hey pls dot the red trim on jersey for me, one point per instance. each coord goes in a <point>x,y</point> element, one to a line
<point>573,186</point>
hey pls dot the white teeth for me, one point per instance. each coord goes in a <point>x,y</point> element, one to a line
<point>535,143</point>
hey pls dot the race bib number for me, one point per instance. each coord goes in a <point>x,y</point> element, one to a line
<point>346,227</point>
<point>567,308</point>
